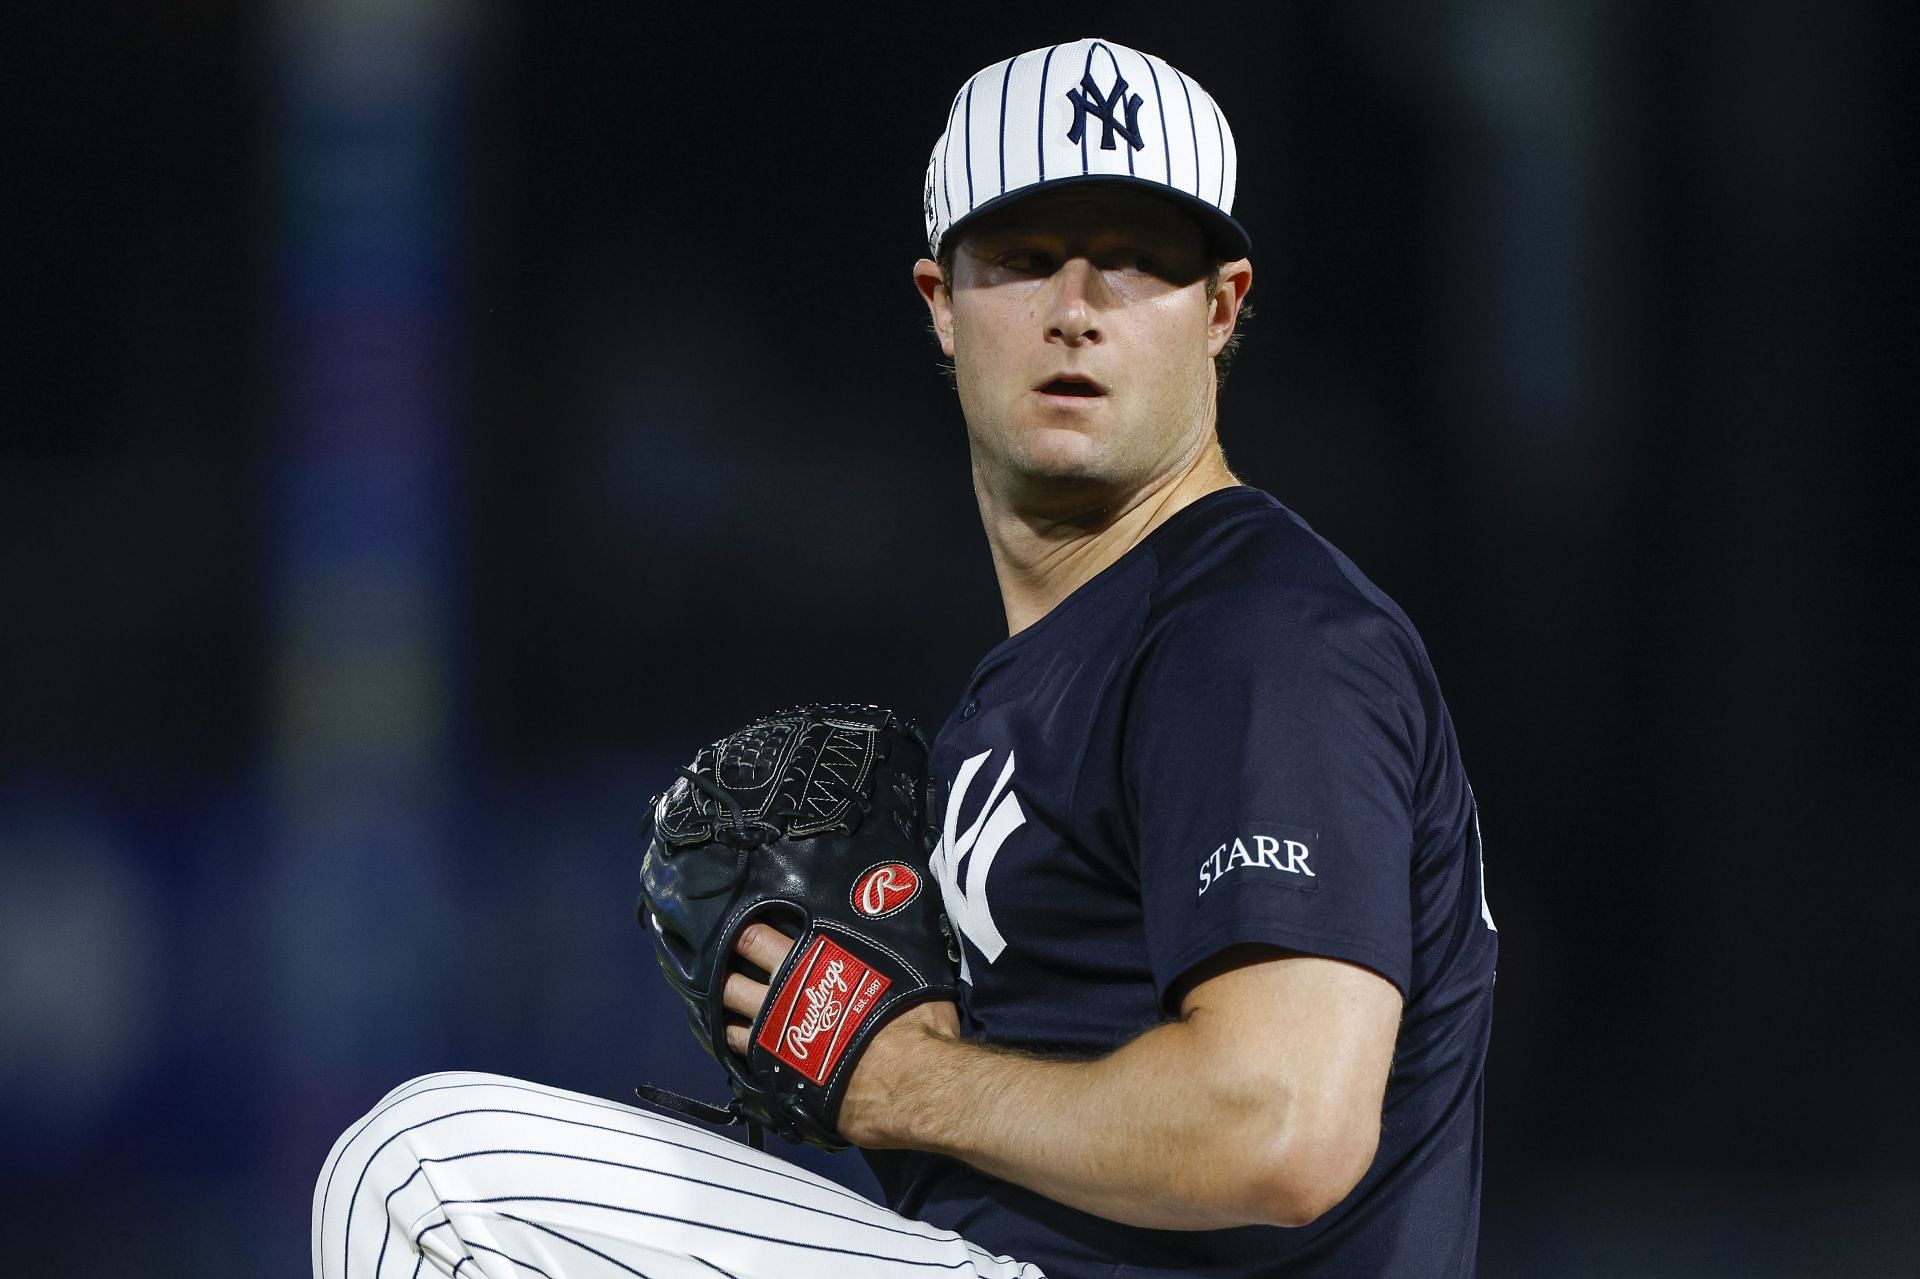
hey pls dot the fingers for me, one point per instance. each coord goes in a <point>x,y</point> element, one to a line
<point>766,949</point>
<point>743,997</point>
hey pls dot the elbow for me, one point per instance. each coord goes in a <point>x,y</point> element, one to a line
<point>1293,1202</point>
<point>1308,1173</point>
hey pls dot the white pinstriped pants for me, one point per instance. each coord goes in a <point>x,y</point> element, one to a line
<point>493,1178</point>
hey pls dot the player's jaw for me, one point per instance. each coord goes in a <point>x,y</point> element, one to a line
<point>1053,448</point>
<point>1059,423</point>
<point>1084,421</point>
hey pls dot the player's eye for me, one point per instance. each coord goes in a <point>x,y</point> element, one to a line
<point>1027,262</point>
<point>1131,261</point>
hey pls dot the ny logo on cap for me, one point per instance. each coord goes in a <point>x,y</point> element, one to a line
<point>1093,104</point>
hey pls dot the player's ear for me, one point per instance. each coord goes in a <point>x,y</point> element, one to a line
<point>1223,312</point>
<point>932,283</point>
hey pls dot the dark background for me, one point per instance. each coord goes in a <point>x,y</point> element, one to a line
<point>422,424</point>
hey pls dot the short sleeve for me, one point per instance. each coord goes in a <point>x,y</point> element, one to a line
<point>1270,759</point>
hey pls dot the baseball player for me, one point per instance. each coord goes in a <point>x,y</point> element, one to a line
<point>1207,845</point>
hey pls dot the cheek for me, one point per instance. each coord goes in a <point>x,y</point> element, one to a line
<point>1180,322</point>
<point>1180,345</point>
<point>978,379</point>
<point>983,356</point>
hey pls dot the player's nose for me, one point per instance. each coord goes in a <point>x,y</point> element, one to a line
<point>1073,304</point>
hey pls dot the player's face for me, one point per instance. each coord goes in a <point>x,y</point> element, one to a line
<point>1083,333</point>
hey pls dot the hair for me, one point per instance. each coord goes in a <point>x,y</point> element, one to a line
<point>1221,362</point>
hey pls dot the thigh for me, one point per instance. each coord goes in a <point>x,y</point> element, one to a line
<point>481,1175</point>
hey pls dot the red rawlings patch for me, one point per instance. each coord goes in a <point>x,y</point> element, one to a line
<point>826,995</point>
<point>884,889</point>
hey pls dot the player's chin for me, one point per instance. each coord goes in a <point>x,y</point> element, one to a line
<point>1064,454</point>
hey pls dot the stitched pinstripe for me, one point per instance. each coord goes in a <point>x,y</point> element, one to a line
<point>1040,122</point>
<point>814,1206</point>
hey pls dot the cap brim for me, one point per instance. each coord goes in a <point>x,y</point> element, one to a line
<point>1226,237</point>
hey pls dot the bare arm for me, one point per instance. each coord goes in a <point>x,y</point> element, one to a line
<point>1259,1105</point>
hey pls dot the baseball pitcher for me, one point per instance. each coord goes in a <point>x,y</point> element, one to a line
<point>1168,954</point>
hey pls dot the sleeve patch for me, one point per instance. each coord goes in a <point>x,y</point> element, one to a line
<point>1273,854</point>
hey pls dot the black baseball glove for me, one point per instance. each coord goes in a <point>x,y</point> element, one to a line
<point>815,821</point>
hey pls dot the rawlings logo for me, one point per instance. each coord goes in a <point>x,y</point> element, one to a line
<point>881,890</point>
<point>823,1010</point>
<point>817,1010</point>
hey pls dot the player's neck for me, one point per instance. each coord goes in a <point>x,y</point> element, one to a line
<point>1040,559</point>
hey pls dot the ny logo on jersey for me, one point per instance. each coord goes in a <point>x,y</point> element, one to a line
<point>966,894</point>
<point>1091,103</point>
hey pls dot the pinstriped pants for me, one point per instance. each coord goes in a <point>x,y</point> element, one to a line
<point>494,1178</point>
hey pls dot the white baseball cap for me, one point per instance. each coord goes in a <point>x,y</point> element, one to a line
<point>1088,112</point>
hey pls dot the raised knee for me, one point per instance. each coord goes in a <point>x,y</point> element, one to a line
<point>439,1082</point>
<point>424,1102</point>
<point>372,1175</point>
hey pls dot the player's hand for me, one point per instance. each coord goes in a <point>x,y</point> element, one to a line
<point>877,1105</point>
<point>765,948</point>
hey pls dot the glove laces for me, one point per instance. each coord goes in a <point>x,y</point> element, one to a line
<point>704,1111</point>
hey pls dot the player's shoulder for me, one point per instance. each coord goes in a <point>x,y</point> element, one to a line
<point>1241,554</point>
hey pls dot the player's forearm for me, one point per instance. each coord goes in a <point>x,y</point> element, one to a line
<point>1151,1135</point>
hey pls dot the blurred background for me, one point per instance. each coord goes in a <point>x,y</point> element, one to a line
<point>423,422</point>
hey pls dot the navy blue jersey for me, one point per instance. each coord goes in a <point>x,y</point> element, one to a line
<point>1228,736</point>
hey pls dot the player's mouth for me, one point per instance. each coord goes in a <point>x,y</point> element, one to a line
<point>1073,386</point>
